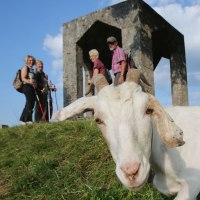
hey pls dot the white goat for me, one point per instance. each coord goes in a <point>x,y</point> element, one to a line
<point>138,132</point>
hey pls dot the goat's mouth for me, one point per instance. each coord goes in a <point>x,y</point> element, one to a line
<point>136,188</point>
<point>135,183</point>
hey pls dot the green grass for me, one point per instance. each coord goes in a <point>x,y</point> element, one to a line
<point>65,160</point>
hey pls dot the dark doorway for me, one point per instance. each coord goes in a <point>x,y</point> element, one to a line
<point>95,38</point>
<point>160,46</point>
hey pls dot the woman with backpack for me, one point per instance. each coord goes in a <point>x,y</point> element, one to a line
<point>28,89</point>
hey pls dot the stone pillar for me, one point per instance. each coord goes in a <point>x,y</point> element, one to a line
<point>141,53</point>
<point>79,64</point>
<point>72,71</point>
<point>179,86</point>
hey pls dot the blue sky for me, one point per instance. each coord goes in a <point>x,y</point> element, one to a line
<point>35,27</point>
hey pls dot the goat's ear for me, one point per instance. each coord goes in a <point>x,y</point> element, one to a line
<point>77,107</point>
<point>169,132</point>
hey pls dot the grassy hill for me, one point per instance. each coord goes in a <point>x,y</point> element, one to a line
<point>65,160</point>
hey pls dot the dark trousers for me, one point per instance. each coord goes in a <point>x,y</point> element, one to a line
<point>44,104</point>
<point>29,93</point>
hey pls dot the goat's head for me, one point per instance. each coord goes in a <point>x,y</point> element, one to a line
<point>127,116</point>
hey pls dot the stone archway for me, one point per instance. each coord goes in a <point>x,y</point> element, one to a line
<point>144,34</point>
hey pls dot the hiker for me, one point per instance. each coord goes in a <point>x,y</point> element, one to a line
<point>119,64</point>
<point>28,87</point>
<point>98,68</point>
<point>41,107</point>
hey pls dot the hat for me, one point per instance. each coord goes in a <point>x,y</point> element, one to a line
<point>111,39</point>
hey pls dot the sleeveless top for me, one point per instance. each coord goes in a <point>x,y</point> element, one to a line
<point>30,74</point>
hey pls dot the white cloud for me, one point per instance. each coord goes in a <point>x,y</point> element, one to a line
<point>162,82</point>
<point>58,70</point>
<point>162,74</point>
<point>54,45</point>
<point>57,65</point>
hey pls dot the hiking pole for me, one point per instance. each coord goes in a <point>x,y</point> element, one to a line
<point>54,89</point>
<point>56,99</point>
<point>43,116</point>
<point>48,102</point>
<point>42,111</point>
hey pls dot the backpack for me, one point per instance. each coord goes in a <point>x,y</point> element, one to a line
<point>17,83</point>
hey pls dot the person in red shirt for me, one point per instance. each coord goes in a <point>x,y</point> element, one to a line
<point>98,66</point>
<point>119,64</point>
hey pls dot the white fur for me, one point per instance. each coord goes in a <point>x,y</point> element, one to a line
<point>127,129</point>
<point>181,166</point>
<point>77,107</point>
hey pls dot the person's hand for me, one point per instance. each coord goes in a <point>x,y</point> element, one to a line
<point>43,90</point>
<point>121,79</point>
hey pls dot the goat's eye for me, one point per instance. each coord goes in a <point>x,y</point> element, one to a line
<point>99,121</point>
<point>149,111</point>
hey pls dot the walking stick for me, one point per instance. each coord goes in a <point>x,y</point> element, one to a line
<point>56,100</point>
<point>42,111</point>
<point>48,102</point>
<point>54,89</point>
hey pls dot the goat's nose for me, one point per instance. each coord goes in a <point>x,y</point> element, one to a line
<point>131,169</point>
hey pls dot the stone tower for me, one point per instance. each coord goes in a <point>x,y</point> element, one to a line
<point>140,31</point>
